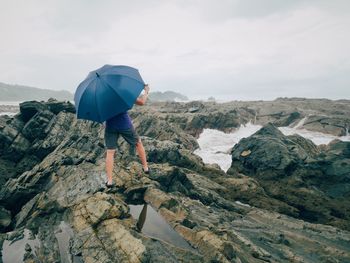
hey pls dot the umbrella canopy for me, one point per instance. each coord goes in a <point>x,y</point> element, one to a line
<point>107,91</point>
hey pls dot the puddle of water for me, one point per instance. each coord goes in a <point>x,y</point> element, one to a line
<point>63,234</point>
<point>152,224</point>
<point>14,252</point>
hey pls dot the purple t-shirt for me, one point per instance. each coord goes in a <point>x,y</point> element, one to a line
<point>119,122</point>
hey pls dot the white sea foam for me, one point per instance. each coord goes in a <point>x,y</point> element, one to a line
<point>8,107</point>
<point>215,145</point>
<point>7,113</point>
<point>10,103</point>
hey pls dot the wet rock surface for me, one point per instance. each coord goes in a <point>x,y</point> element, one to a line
<point>311,184</point>
<point>297,192</point>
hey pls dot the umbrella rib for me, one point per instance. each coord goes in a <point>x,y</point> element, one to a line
<point>98,113</point>
<point>121,74</point>
<point>114,92</point>
<point>125,77</point>
<point>82,92</point>
<point>79,101</point>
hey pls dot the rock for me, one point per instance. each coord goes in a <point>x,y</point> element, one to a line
<point>330,125</point>
<point>120,243</point>
<point>5,218</point>
<point>55,135</point>
<point>28,248</point>
<point>29,108</point>
<point>36,127</point>
<point>335,164</point>
<point>8,132</point>
<point>158,251</point>
<point>243,216</point>
<point>7,170</point>
<point>58,106</point>
<point>35,208</point>
<point>248,191</point>
<point>156,128</point>
<point>305,182</point>
<point>246,153</point>
<point>193,109</point>
<point>18,148</point>
<point>272,153</point>
<point>135,194</point>
<point>218,120</point>
<point>289,119</point>
<point>18,191</point>
<point>281,118</point>
<point>98,208</point>
<point>173,153</point>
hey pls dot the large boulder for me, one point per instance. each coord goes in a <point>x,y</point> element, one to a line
<point>97,208</point>
<point>334,162</point>
<point>327,124</point>
<point>292,170</point>
<point>269,153</point>
<point>29,108</point>
<point>216,120</point>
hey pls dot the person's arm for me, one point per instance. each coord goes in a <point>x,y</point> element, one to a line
<point>142,99</point>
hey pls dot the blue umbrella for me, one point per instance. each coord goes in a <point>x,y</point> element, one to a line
<point>107,91</point>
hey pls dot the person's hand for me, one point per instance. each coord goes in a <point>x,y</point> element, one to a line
<point>146,88</point>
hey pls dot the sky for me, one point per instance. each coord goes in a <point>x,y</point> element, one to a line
<point>228,49</point>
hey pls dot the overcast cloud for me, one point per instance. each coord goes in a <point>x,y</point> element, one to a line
<point>229,49</point>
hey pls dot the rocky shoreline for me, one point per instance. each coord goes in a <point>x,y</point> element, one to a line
<point>283,199</point>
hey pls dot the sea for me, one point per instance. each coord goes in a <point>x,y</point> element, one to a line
<point>9,107</point>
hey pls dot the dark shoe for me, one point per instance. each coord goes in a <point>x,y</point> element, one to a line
<point>146,172</point>
<point>109,185</point>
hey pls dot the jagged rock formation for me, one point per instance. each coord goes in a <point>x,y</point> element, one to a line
<point>307,183</point>
<point>54,171</point>
<point>320,115</point>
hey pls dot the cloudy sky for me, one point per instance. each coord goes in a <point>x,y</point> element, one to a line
<point>229,49</point>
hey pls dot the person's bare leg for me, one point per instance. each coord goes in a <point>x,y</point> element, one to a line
<point>142,154</point>
<point>142,218</point>
<point>109,165</point>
